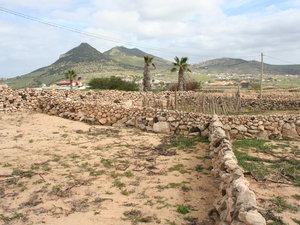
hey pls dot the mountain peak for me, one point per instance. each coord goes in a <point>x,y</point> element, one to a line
<point>123,51</point>
<point>82,53</point>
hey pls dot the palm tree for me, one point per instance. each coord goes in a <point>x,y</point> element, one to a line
<point>147,75</point>
<point>71,75</point>
<point>181,66</point>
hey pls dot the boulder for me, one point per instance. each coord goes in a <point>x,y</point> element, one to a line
<point>161,127</point>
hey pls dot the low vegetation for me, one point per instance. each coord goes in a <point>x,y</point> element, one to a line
<point>113,83</point>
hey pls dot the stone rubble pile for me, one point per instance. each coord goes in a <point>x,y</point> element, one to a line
<point>236,203</point>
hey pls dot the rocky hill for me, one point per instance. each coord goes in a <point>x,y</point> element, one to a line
<point>86,61</point>
<point>230,65</point>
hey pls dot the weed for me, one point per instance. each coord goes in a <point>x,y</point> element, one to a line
<point>56,158</point>
<point>185,188</point>
<point>128,174</point>
<point>296,221</point>
<point>199,168</point>
<point>7,165</point>
<point>182,142</point>
<point>296,196</point>
<point>74,156</point>
<point>34,167</point>
<point>125,192</point>
<point>65,165</point>
<point>183,209</point>
<point>258,144</point>
<point>64,135</point>
<point>136,216</point>
<point>57,188</point>
<point>30,141</point>
<point>13,217</point>
<point>179,168</point>
<point>282,205</point>
<point>119,184</point>
<point>46,168</point>
<point>115,174</point>
<point>106,163</point>
<point>170,222</point>
<point>84,165</point>
<point>97,173</point>
<point>191,219</point>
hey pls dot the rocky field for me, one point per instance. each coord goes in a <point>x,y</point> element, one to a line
<point>58,171</point>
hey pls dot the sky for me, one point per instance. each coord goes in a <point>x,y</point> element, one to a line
<point>198,29</point>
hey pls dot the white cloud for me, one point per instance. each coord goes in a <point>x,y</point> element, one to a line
<point>37,4</point>
<point>194,28</point>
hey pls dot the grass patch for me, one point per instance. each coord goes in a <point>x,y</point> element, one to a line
<point>106,163</point>
<point>179,168</point>
<point>11,218</point>
<point>136,217</point>
<point>182,142</point>
<point>251,143</point>
<point>128,174</point>
<point>282,205</point>
<point>118,184</point>
<point>199,168</point>
<point>182,209</point>
<point>260,167</point>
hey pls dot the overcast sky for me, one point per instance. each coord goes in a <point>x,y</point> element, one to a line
<point>199,29</point>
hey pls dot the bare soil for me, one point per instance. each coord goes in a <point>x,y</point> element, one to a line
<point>58,171</point>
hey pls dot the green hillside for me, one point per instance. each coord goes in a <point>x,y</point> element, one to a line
<point>88,62</point>
<point>240,66</point>
<point>135,57</point>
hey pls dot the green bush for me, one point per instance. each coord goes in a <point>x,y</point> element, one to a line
<point>189,86</point>
<point>255,86</point>
<point>113,83</point>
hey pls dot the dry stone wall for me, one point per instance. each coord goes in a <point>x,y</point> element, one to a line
<point>235,203</point>
<point>125,109</point>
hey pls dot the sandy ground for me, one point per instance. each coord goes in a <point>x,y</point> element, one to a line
<point>57,171</point>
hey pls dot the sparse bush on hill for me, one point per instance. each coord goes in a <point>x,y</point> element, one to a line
<point>190,86</point>
<point>113,83</point>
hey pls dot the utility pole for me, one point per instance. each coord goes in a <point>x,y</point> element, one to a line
<point>261,74</point>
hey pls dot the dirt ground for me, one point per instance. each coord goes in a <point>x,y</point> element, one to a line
<point>275,178</point>
<point>58,171</point>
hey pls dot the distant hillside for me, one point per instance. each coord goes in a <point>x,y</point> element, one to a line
<point>240,66</point>
<point>135,57</point>
<point>88,62</point>
<point>84,59</point>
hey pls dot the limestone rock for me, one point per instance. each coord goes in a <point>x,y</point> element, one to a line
<point>161,127</point>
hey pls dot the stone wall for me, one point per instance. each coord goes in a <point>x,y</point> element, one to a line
<point>125,109</point>
<point>235,203</point>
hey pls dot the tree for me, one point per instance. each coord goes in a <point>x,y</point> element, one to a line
<point>71,75</point>
<point>181,66</point>
<point>147,75</point>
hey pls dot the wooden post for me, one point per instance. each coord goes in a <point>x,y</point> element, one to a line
<point>261,74</point>
<point>175,99</point>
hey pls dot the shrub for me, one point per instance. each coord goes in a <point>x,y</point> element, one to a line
<point>190,86</point>
<point>255,86</point>
<point>113,83</point>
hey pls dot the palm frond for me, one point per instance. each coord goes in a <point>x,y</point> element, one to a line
<point>184,60</point>
<point>148,59</point>
<point>174,69</point>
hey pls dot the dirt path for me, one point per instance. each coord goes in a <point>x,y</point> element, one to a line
<point>57,171</point>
